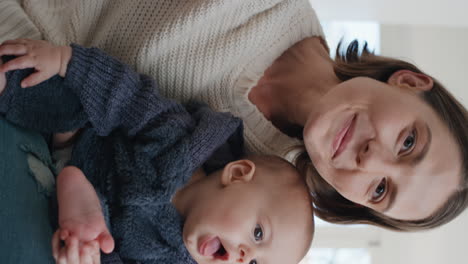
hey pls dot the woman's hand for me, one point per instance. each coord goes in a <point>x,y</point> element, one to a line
<point>47,59</point>
<point>73,251</point>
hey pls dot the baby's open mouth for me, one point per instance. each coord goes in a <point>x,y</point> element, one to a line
<point>213,247</point>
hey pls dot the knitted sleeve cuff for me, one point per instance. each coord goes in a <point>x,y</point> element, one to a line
<point>112,94</point>
<point>89,72</point>
<point>13,80</point>
<point>103,84</point>
<point>5,98</point>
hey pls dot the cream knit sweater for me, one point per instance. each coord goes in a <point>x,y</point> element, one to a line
<point>208,50</point>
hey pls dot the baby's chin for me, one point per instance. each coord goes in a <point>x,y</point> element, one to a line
<point>190,243</point>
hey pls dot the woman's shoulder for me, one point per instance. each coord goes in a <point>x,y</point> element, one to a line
<point>298,22</point>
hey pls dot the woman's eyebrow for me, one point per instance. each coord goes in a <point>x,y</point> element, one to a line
<point>422,154</point>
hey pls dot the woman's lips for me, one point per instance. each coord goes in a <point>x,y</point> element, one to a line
<point>343,137</point>
<point>209,245</point>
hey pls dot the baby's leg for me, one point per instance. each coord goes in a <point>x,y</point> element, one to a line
<point>80,213</point>
<point>63,140</point>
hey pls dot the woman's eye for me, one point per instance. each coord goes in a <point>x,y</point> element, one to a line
<point>258,233</point>
<point>379,192</point>
<point>253,261</point>
<point>409,142</point>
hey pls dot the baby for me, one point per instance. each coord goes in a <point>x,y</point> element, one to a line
<point>160,182</point>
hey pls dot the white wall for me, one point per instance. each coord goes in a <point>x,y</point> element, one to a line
<point>447,244</point>
<point>438,50</point>
<point>427,12</point>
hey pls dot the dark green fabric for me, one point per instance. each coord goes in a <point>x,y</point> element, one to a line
<point>26,182</point>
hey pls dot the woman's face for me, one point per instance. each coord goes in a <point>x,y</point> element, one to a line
<point>380,145</point>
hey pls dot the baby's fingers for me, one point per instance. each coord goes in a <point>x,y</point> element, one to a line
<point>13,49</point>
<point>19,63</point>
<point>17,41</point>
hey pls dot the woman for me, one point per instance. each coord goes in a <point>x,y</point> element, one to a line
<point>381,160</point>
<point>397,146</point>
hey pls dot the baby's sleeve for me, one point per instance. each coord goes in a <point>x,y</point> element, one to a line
<point>48,107</point>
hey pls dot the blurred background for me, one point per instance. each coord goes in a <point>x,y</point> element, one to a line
<point>433,34</point>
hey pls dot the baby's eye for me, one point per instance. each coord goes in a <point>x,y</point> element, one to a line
<point>253,261</point>
<point>379,192</point>
<point>409,143</point>
<point>258,235</point>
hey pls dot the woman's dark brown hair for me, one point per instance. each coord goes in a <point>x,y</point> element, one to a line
<point>331,206</point>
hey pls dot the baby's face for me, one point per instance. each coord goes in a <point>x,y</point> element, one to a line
<point>251,222</point>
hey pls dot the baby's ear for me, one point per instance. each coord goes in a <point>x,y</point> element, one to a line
<point>239,171</point>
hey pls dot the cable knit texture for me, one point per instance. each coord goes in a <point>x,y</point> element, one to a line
<point>138,148</point>
<point>15,23</point>
<point>212,51</point>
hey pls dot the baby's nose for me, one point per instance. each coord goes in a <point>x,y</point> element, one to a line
<point>244,254</point>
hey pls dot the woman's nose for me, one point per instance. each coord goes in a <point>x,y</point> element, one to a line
<point>362,155</point>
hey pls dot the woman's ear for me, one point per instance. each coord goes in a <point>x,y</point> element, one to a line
<point>239,171</point>
<point>417,82</point>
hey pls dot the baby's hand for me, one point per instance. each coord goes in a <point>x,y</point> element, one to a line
<point>46,58</point>
<point>73,251</point>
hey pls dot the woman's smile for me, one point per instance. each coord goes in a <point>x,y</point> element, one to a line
<point>343,137</point>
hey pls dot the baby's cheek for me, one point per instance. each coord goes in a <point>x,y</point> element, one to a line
<point>230,222</point>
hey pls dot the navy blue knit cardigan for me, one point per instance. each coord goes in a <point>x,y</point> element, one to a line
<point>137,147</point>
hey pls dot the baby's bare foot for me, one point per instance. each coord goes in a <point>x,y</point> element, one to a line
<point>80,210</point>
